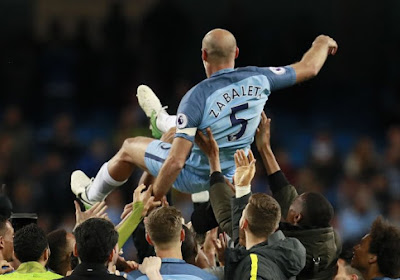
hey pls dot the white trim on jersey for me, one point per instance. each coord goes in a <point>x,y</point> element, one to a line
<point>190,131</point>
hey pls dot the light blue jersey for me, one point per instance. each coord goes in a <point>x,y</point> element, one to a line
<point>230,102</point>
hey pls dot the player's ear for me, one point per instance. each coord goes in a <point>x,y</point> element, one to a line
<point>236,52</point>
<point>204,55</point>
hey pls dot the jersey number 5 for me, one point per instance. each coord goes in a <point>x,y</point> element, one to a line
<point>235,121</point>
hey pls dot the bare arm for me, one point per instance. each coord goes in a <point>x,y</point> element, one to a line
<point>313,60</point>
<point>172,166</point>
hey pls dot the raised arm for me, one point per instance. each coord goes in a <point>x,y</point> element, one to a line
<point>281,189</point>
<point>313,60</point>
<point>174,163</point>
<point>220,193</point>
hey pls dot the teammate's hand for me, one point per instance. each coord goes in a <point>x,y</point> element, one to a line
<point>5,267</point>
<point>207,145</point>
<point>210,148</point>
<point>169,135</point>
<point>220,245</point>
<point>151,265</point>
<point>331,44</point>
<point>245,168</point>
<point>97,211</point>
<point>144,196</point>
<point>263,134</point>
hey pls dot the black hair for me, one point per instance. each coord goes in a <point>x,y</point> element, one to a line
<point>57,242</point>
<point>317,211</point>
<point>29,243</point>
<point>95,240</point>
<point>3,221</point>
<point>385,244</point>
<point>189,246</point>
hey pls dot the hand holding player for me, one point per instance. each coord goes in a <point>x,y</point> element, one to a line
<point>151,267</point>
<point>263,134</point>
<point>144,196</point>
<point>210,148</point>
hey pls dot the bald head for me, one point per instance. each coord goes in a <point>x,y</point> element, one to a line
<point>220,45</point>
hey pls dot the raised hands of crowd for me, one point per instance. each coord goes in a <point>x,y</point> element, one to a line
<point>263,134</point>
<point>145,196</point>
<point>220,245</point>
<point>98,210</point>
<point>245,168</point>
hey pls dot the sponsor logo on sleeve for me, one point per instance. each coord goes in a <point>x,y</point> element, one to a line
<point>181,121</point>
<point>278,70</point>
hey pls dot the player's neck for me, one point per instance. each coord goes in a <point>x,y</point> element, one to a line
<point>171,253</point>
<point>213,68</point>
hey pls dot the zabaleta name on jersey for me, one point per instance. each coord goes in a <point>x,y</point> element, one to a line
<point>232,94</point>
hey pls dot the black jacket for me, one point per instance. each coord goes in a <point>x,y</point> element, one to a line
<point>92,271</point>
<point>278,258</point>
<point>323,245</point>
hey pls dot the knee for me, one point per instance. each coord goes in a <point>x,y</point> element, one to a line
<point>134,145</point>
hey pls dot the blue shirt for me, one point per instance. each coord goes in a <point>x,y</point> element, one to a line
<point>177,269</point>
<point>230,102</point>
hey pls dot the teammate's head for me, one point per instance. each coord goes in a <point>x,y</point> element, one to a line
<point>378,251</point>
<point>96,241</point>
<point>310,209</point>
<point>30,244</point>
<point>261,216</point>
<point>189,246</point>
<point>219,49</point>
<point>6,239</point>
<point>61,245</point>
<point>164,228</point>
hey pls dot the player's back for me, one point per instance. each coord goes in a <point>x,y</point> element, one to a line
<point>230,102</point>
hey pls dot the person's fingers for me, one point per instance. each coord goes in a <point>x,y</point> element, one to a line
<point>236,157</point>
<point>209,134</point>
<point>138,190</point>
<point>99,208</point>
<point>104,216</point>
<point>263,116</point>
<point>251,157</point>
<point>94,208</point>
<point>127,209</point>
<point>102,210</point>
<point>77,207</point>
<point>6,270</point>
<point>202,137</point>
<point>243,158</point>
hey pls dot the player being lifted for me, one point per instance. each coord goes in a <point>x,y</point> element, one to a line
<point>229,102</point>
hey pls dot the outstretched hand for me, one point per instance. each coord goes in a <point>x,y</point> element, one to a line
<point>97,211</point>
<point>144,196</point>
<point>220,245</point>
<point>263,134</point>
<point>245,168</point>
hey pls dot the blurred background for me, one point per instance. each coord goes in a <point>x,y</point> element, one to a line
<point>69,72</point>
